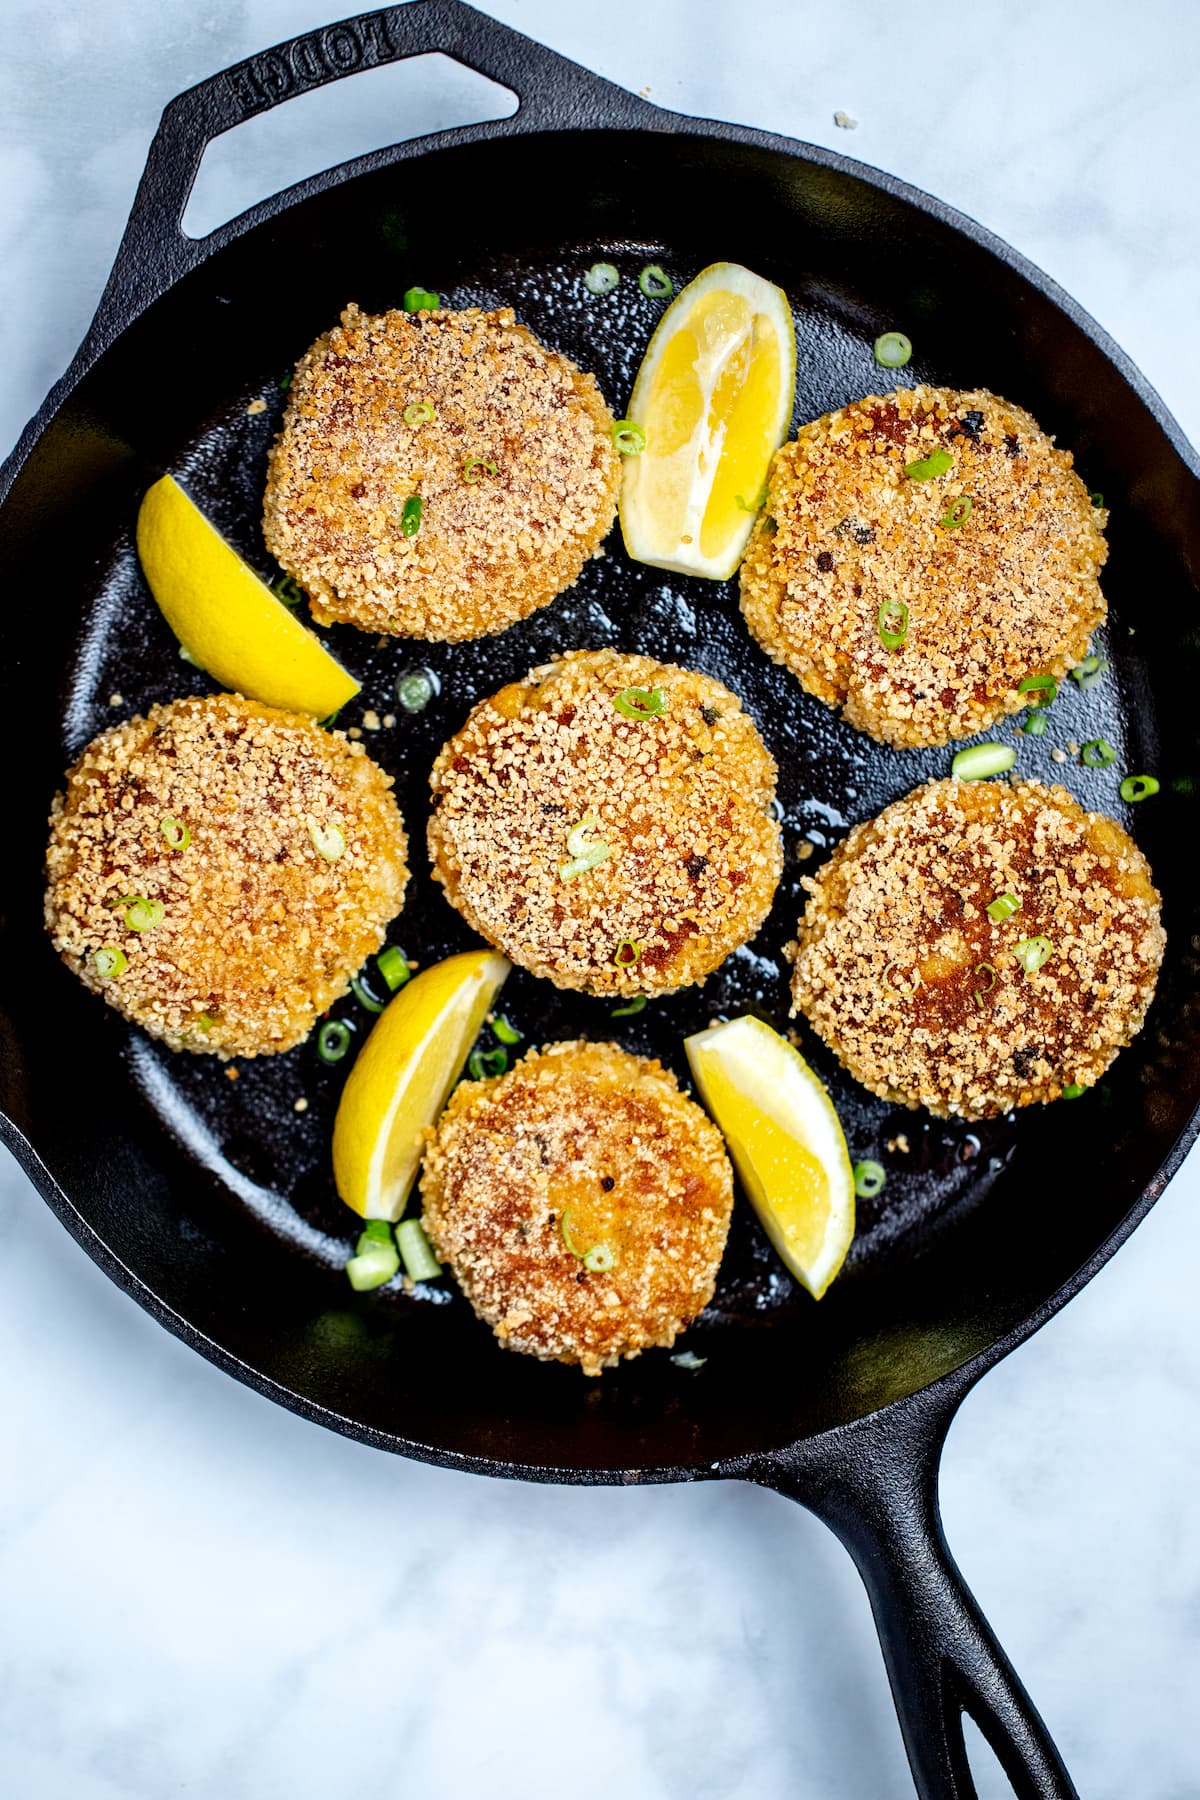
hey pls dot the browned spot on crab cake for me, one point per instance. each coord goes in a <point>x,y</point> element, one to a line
<point>582,1201</point>
<point>680,801</point>
<point>927,999</point>
<point>1009,592</point>
<point>273,851</point>
<point>516,472</point>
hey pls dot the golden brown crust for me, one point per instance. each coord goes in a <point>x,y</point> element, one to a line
<point>1011,592</point>
<point>681,799</point>
<point>259,933</point>
<point>606,1140</point>
<point>905,975</point>
<point>489,551</point>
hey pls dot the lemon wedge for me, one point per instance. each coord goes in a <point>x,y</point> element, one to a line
<point>714,398</point>
<point>227,619</point>
<point>786,1141</point>
<point>403,1076</point>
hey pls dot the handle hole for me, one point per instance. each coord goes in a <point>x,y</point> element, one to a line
<point>991,1783</point>
<point>330,125</point>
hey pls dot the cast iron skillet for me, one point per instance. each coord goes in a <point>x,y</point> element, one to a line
<point>210,1200</point>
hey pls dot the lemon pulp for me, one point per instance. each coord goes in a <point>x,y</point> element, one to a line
<point>228,620</point>
<point>786,1142</point>
<point>402,1079</point>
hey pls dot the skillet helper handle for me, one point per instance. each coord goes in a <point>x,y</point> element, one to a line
<point>552,93</point>
<point>878,1493</point>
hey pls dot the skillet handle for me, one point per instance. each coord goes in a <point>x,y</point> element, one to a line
<point>552,93</point>
<point>878,1493</point>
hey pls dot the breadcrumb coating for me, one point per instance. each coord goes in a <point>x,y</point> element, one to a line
<point>580,1147</point>
<point>680,799</point>
<point>1008,592</point>
<point>516,472</point>
<point>212,809</point>
<point>903,972</point>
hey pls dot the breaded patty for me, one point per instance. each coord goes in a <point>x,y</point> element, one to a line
<point>218,870</point>
<point>507,446</point>
<point>621,854</point>
<point>931,1001</point>
<point>996,560</point>
<point>582,1201</point>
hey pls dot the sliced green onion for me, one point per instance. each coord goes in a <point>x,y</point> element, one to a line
<point>1097,498</point>
<point>930,467</point>
<point>420,1264</point>
<point>628,954</point>
<point>1003,907</point>
<point>1042,689</point>
<point>329,841</point>
<point>1034,726</point>
<point>599,1259</point>
<point>504,1030</point>
<point>687,1359</point>
<point>1032,952</point>
<point>892,350</point>
<point>631,1008</point>
<point>754,505</point>
<point>143,914</point>
<point>476,467</point>
<point>869,1178</point>
<point>410,515</point>
<point>393,966</point>
<point>420,412</point>
<point>893,624</point>
<point>290,592</point>
<point>982,760</point>
<point>205,1021</point>
<point>109,961</point>
<point>583,856</point>
<point>330,719</point>
<point>374,1231</point>
<point>1089,671</point>
<point>629,438</point>
<point>655,282</point>
<point>959,512</point>
<point>984,969</point>
<point>1138,787</point>
<point>1097,753</point>
<point>640,703</point>
<point>333,1040</point>
<point>482,1064</point>
<point>1073,1090</point>
<point>174,835</point>
<point>419,299</point>
<point>375,1260</point>
<point>564,1231</point>
<point>601,278</point>
<point>187,657</point>
<point>364,996</point>
<point>416,688</point>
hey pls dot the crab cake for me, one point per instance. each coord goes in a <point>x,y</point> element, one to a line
<point>605,823</point>
<point>461,429</point>
<point>218,870</point>
<point>582,1201</point>
<point>930,998</point>
<point>953,506</point>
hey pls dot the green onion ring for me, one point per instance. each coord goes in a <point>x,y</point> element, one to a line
<point>1003,907</point>
<point>601,278</point>
<point>1033,952</point>
<point>1089,672</point>
<point>420,1264</point>
<point>1097,499</point>
<point>959,512</point>
<point>419,299</point>
<point>504,1031</point>
<point>1138,787</point>
<point>629,438</point>
<point>630,1009</point>
<point>333,1040</point>
<point>329,841</point>
<point>930,467</point>
<point>416,688</point>
<point>869,1179</point>
<point>476,467</point>
<point>1042,689</point>
<point>655,283</point>
<point>599,1259</point>
<point>1097,753</point>
<point>582,855</point>
<point>1073,1090</point>
<point>290,592</point>
<point>892,622</point>
<point>483,1064</point>
<point>175,835</point>
<point>982,969</point>
<point>393,966</point>
<point>982,760</point>
<point>364,996</point>
<point>640,703</point>
<point>109,961</point>
<point>1034,726</point>
<point>410,516</point>
<point>420,412</point>
<point>375,1260</point>
<point>631,961</point>
<point>892,350</point>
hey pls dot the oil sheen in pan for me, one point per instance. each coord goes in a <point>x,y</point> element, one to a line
<point>246,1131</point>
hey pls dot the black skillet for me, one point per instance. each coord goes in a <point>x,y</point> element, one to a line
<point>210,1200</point>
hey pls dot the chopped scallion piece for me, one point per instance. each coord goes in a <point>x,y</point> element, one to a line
<point>892,350</point>
<point>174,835</point>
<point>375,1260</point>
<point>1073,1090</point>
<point>869,1178</point>
<point>631,1008</point>
<point>420,412</point>
<point>929,467</point>
<point>1089,671</point>
<point>410,516</point>
<point>982,760</point>
<point>290,592</point>
<point>582,855</point>
<point>1032,952</point>
<point>333,1040</point>
<point>601,278</point>
<point>1097,753</point>
<point>483,1064</point>
<point>1138,787</point>
<point>755,504</point>
<point>599,1259</point>
<point>504,1031</point>
<point>1034,726</point>
<point>143,914</point>
<point>419,299</point>
<point>364,996</point>
<point>1097,498</point>
<point>329,841</point>
<point>629,438</point>
<point>1003,907</point>
<point>476,467</point>
<point>109,961</point>
<point>393,966</point>
<point>375,1231</point>
<point>564,1231</point>
<point>1042,689</point>
<point>655,282</point>
<point>628,954</point>
<point>984,969</point>
<point>416,688</point>
<point>893,624</point>
<point>640,703</point>
<point>420,1264</point>
<point>959,512</point>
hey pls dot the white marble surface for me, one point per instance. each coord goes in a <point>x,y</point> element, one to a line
<point>201,1595</point>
